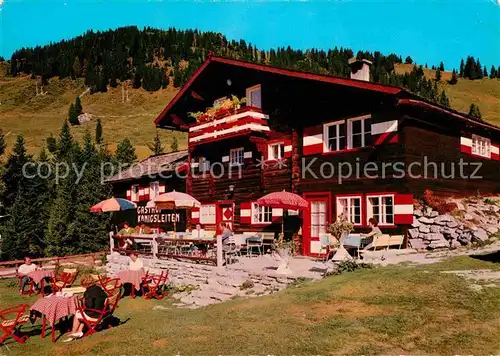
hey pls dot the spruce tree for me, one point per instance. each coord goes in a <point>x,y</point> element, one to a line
<point>136,84</point>
<point>3,145</point>
<point>441,67</point>
<point>485,72</point>
<point>174,146</point>
<point>408,60</point>
<point>125,152</point>
<point>156,147</point>
<point>443,99</point>
<point>73,116</point>
<point>493,72</point>
<point>474,111</point>
<point>454,79</point>
<point>13,172</point>
<point>462,66</point>
<point>438,74</point>
<point>78,106</point>
<point>98,132</point>
<point>51,144</point>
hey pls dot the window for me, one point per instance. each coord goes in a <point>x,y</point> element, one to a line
<point>481,146</point>
<point>135,192</point>
<point>203,164</point>
<point>207,214</point>
<point>318,218</point>
<point>254,97</point>
<point>334,136</point>
<point>154,190</point>
<point>261,214</point>
<point>351,208</point>
<point>276,151</point>
<point>381,208</point>
<point>359,132</point>
<point>236,157</point>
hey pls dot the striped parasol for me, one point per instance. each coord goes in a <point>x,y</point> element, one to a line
<point>113,204</point>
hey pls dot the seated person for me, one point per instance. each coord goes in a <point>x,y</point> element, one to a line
<point>198,233</point>
<point>142,229</point>
<point>375,232</point>
<point>94,298</point>
<point>135,263</point>
<point>226,233</point>
<point>126,230</point>
<point>23,271</point>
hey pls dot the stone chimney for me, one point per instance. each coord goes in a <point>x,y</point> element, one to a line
<point>360,69</point>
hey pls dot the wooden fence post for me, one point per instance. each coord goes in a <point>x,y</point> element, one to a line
<point>220,260</point>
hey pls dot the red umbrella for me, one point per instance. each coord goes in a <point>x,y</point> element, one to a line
<point>283,200</point>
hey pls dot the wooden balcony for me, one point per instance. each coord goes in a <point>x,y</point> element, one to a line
<point>229,124</point>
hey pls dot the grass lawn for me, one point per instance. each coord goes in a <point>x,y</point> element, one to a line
<point>392,310</point>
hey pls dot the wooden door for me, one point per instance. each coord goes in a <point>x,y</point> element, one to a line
<point>316,220</point>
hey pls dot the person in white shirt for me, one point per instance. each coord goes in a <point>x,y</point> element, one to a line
<point>135,263</point>
<point>198,233</point>
<point>23,271</point>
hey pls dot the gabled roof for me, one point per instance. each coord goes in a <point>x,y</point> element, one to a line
<point>153,165</point>
<point>360,84</point>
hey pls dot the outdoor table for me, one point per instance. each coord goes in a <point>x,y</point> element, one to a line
<point>132,277</point>
<point>40,274</point>
<point>53,308</point>
<point>354,241</point>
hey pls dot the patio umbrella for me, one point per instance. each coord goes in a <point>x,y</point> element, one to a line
<point>176,200</point>
<point>113,204</point>
<point>283,200</point>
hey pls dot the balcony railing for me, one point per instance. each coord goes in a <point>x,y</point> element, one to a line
<point>229,124</point>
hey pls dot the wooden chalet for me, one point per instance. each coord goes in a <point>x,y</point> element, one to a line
<point>144,181</point>
<point>296,126</point>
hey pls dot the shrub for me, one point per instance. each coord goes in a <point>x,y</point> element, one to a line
<point>246,285</point>
<point>438,204</point>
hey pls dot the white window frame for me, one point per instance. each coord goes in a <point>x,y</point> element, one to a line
<point>249,96</point>
<point>264,213</point>
<point>235,150</point>
<point>154,189</point>
<point>281,152</point>
<point>382,220</point>
<point>481,146</point>
<point>134,192</point>
<point>350,134</point>
<point>208,214</point>
<point>350,208</point>
<point>326,137</point>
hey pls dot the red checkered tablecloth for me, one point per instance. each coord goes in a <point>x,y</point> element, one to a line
<point>55,307</point>
<point>133,277</point>
<point>40,274</point>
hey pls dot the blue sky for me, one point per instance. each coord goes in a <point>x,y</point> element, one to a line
<point>429,31</point>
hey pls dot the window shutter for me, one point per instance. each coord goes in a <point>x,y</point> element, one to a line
<point>403,209</point>
<point>246,212</point>
<point>313,140</point>
<point>465,145</point>
<point>277,215</point>
<point>129,194</point>
<point>161,188</point>
<point>146,193</point>
<point>288,148</point>
<point>495,152</point>
<point>385,132</point>
<point>195,215</point>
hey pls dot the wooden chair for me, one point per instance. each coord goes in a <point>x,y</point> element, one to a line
<point>63,280</point>
<point>11,321</point>
<point>152,285</point>
<point>110,285</point>
<point>268,240</point>
<point>324,241</point>
<point>254,242</point>
<point>384,241</point>
<point>31,290</point>
<point>107,311</point>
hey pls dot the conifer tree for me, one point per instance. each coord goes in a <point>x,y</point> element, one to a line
<point>78,106</point>
<point>454,79</point>
<point>13,172</point>
<point>98,132</point>
<point>51,144</point>
<point>438,74</point>
<point>136,84</point>
<point>441,67</point>
<point>485,72</point>
<point>474,111</point>
<point>493,72</point>
<point>174,146</point>
<point>462,66</point>
<point>408,60</point>
<point>125,152</point>
<point>156,147</point>
<point>3,145</point>
<point>443,99</point>
<point>73,116</point>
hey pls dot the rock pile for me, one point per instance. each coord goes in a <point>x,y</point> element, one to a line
<point>475,221</point>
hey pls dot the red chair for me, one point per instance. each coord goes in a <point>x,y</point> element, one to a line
<point>109,308</point>
<point>63,280</point>
<point>31,286</point>
<point>12,319</point>
<point>152,286</point>
<point>110,285</point>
